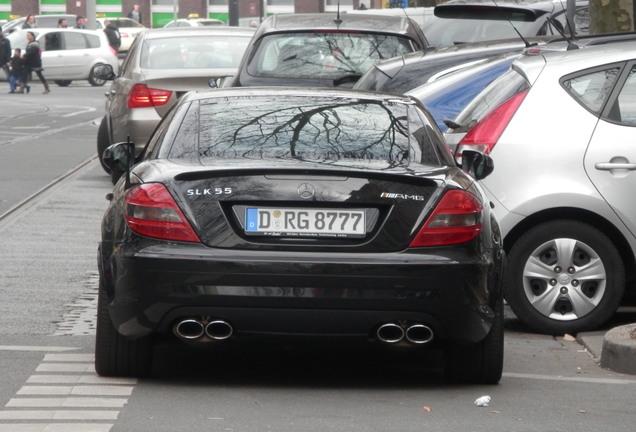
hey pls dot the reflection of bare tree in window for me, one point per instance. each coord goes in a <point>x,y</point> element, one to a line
<point>330,131</point>
<point>326,55</point>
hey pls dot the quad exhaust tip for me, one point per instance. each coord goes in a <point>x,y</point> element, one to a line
<point>416,334</point>
<point>194,330</point>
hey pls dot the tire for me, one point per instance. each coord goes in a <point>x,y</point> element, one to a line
<point>63,83</point>
<point>116,356</point>
<point>480,363</point>
<point>103,142</point>
<point>93,80</point>
<point>564,277</point>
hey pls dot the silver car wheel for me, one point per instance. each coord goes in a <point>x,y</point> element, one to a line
<point>564,279</point>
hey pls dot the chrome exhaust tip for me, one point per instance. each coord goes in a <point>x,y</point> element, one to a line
<point>218,330</point>
<point>419,334</point>
<point>390,333</point>
<point>189,329</point>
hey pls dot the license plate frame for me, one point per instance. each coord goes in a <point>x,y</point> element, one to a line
<point>305,222</point>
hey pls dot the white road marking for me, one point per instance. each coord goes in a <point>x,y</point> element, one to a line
<point>69,402</point>
<point>82,111</point>
<point>59,427</point>
<point>78,379</point>
<point>35,348</point>
<point>65,408</point>
<point>88,390</point>
<point>69,358</point>
<point>58,415</point>
<point>65,367</point>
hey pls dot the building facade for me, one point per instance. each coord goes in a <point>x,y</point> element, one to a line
<point>156,13</point>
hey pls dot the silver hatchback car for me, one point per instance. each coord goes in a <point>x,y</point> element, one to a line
<point>561,129</point>
<point>161,66</point>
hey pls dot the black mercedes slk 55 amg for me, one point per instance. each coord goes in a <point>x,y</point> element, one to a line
<point>257,212</point>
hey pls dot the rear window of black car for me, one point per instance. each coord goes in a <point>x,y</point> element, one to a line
<point>315,129</point>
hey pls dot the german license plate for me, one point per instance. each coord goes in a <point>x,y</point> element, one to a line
<point>305,222</point>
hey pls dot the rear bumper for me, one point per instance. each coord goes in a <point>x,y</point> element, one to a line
<point>301,294</point>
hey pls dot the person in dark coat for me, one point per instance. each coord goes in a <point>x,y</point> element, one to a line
<point>112,33</point>
<point>5,53</point>
<point>33,61</point>
<point>18,73</point>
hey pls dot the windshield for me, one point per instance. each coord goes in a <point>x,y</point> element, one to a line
<point>301,128</point>
<point>323,54</point>
<point>222,51</point>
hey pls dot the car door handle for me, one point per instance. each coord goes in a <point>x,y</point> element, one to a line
<point>608,166</point>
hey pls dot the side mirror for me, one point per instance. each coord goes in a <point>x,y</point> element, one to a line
<point>104,71</point>
<point>119,157</point>
<point>477,164</point>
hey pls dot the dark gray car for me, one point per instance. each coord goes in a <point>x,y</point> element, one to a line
<point>325,49</point>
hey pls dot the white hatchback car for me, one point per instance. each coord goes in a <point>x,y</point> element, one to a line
<point>69,54</point>
<point>561,129</point>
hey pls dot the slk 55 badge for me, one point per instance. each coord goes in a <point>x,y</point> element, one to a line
<point>209,191</point>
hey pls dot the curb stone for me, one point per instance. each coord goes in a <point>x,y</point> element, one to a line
<point>619,349</point>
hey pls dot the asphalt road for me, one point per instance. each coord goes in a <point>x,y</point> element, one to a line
<point>47,309</point>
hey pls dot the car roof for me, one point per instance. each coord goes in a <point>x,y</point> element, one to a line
<point>333,21</point>
<point>572,60</point>
<point>162,32</point>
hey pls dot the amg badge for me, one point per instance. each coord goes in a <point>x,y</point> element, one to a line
<point>401,196</point>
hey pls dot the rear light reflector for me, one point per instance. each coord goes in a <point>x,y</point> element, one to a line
<point>151,211</point>
<point>484,135</point>
<point>456,219</point>
<point>141,96</point>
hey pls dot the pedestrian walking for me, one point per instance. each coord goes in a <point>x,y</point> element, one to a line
<point>29,22</point>
<point>135,14</point>
<point>33,62</point>
<point>18,73</point>
<point>62,23</point>
<point>5,53</point>
<point>112,33</point>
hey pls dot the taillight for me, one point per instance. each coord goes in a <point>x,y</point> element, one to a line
<point>456,219</point>
<point>484,135</point>
<point>151,211</point>
<point>141,96</point>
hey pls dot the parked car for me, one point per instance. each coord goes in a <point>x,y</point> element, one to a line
<point>462,21</point>
<point>69,54</point>
<point>161,66</point>
<point>561,127</point>
<point>128,30</point>
<point>312,212</point>
<point>42,21</point>
<point>445,97</point>
<point>407,72</point>
<point>195,22</point>
<point>324,49</point>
